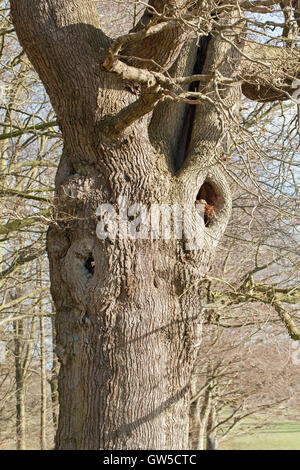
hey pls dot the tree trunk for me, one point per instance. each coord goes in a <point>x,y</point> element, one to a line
<point>129,311</point>
<point>43,444</point>
<point>54,381</point>
<point>199,421</point>
<point>20,392</point>
<point>211,437</point>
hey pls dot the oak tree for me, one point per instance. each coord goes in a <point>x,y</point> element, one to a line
<point>149,116</point>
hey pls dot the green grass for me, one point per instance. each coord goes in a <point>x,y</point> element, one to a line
<point>284,435</point>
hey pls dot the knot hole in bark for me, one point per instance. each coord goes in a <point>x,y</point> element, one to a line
<point>90,264</point>
<point>208,197</point>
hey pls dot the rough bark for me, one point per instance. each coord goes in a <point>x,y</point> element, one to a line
<point>129,312</point>
<point>54,380</point>
<point>268,72</point>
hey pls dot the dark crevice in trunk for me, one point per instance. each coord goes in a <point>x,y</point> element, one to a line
<point>90,265</point>
<point>189,116</point>
<point>207,195</point>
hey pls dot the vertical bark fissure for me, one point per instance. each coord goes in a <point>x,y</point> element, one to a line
<point>190,110</point>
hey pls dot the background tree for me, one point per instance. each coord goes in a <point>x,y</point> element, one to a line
<point>248,375</point>
<point>28,159</point>
<point>252,315</point>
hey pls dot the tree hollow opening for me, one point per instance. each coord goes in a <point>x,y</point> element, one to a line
<point>208,197</point>
<point>90,265</point>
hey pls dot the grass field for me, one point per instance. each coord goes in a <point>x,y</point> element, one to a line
<point>284,435</point>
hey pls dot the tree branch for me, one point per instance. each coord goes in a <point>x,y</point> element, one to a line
<point>115,124</point>
<point>163,47</point>
<point>268,71</point>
